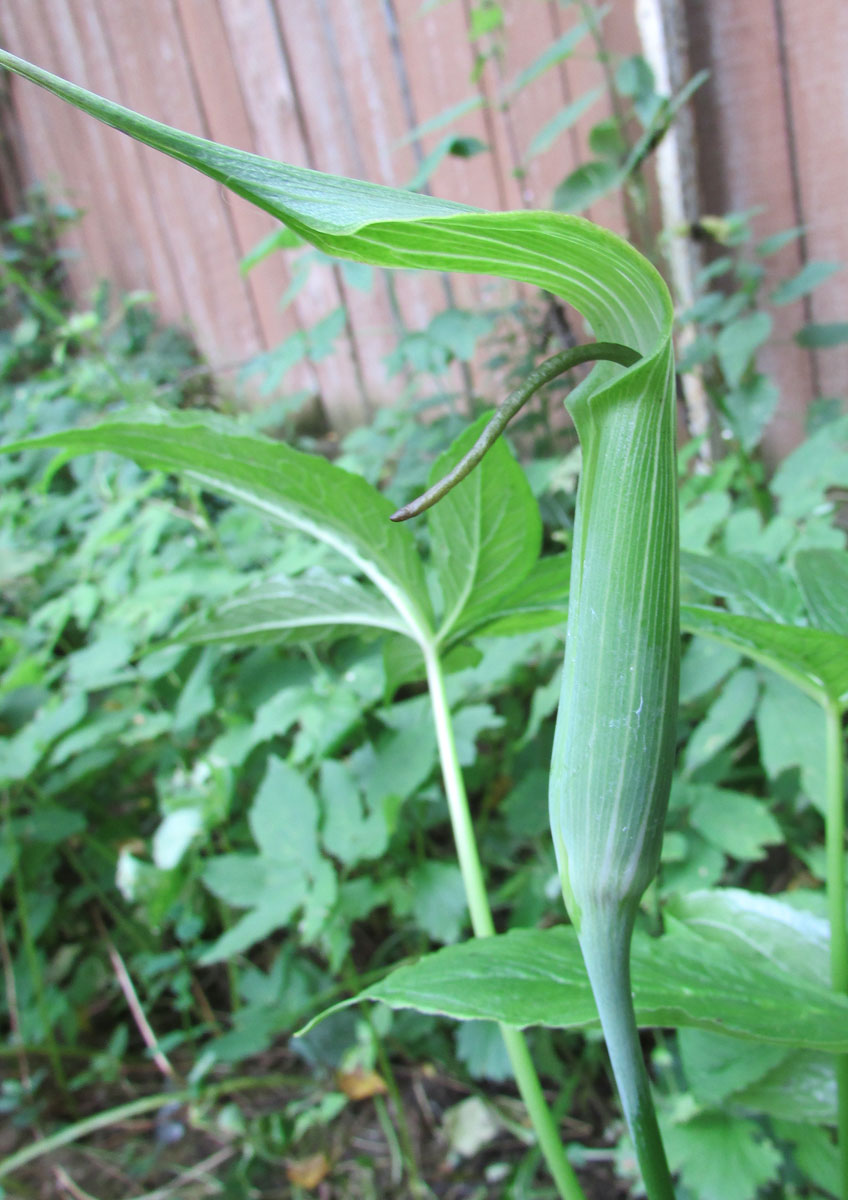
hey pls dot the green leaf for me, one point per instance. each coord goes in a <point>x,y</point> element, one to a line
<point>103,661</point>
<point>284,816</point>
<point>562,121</point>
<point>634,77</point>
<point>814,660</point>
<point>588,183</point>
<point>274,912</point>
<point>539,600</point>
<point>822,336</point>
<point>791,940</point>
<point>802,480</point>
<point>278,239</point>
<point>289,872</point>
<point>717,1066</point>
<point>197,697</point>
<point>314,605</point>
<point>480,1046</point>
<point>692,862</point>
<point>750,407</point>
<point>450,145</point>
<point>738,824</point>
<point>350,832</point>
<point>446,117</point>
<point>468,723</point>
<point>20,754</point>
<point>802,1087</point>
<point>48,823</point>
<point>704,665</point>
<point>607,141</point>
<point>721,1157</point>
<point>776,241</point>
<point>823,576</point>
<point>753,586</point>
<point>398,764</point>
<point>439,904</point>
<point>485,18</point>
<point>728,713</point>
<point>617,291</point>
<point>808,278</point>
<point>247,880</point>
<point>560,49</point>
<point>702,520</point>
<point>458,331</point>
<point>486,533</point>
<point>791,733</point>
<point>537,977</point>
<point>302,491</point>
<point>403,662</point>
<point>817,1155</point>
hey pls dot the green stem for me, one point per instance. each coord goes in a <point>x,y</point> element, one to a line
<point>136,1108</point>
<point>482,924</point>
<point>605,943</point>
<point>835,838</point>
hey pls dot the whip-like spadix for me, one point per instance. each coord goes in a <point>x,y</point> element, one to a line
<point>611,772</point>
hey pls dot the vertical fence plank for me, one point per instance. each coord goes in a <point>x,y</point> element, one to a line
<point>816,54</point>
<point>117,190</point>
<point>50,131</point>
<point>745,163</point>
<point>225,119</point>
<point>313,52</point>
<point>278,132</point>
<point>361,44</point>
<point>528,33</point>
<point>155,79</point>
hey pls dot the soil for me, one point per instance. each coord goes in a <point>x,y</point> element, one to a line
<point>183,1152</point>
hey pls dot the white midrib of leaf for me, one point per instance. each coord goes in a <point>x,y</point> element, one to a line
<point>450,618</point>
<point>415,624</point>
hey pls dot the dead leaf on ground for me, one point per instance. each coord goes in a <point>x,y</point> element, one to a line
<point>361,1084</point>
<point>308,1172</point>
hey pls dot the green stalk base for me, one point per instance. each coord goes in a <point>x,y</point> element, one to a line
<point>605,943</point>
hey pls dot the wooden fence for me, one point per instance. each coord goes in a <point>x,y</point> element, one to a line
<point>340,84</point>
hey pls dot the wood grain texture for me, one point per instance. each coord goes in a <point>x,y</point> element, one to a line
<point>816,54</point>
<point>763,144</point>
<point>339,86</point>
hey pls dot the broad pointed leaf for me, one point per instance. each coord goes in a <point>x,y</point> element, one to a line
<point>539,600</point>
<point>823,576</point>
<point>537,977</point>
<point>302,491</point>
<point>486,533</point>
<point>754,587</point>
<point>815,661</point>
<point>794,941</point>
<point>310,606</point>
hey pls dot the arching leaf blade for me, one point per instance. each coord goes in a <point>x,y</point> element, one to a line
<point>823,576</point>
<point>621,295</point>
<point>537,977</point>
<point>301,491</point>
<point>306,608</point>
<point>814,660</point>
